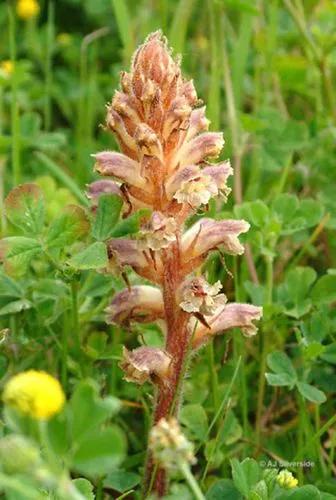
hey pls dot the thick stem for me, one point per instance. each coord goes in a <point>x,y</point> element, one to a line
<point>177,342</point>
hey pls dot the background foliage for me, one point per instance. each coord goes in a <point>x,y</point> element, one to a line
<point>266,70</point>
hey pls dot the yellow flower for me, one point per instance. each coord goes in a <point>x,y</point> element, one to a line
<point>285,479</point>
<point>6,67</point>
<point>26,9</point>
<point>34,393</point>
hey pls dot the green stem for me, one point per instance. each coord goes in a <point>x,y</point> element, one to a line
<point>2,212</point>
<point>316,436</point>
<point>192,483</point>
<point>215,76</point>
<point>213,376</point>
<point>64,372</point>
<point>15,117</point>
<point>84,104</point>
<point>13,484</point>
<point>75,320</point>
<point>301,431</point>
<point>45,444</point>
<point>48,65</point>
<point>239,354</point>
<point>124,24</point>
<point>178,30</point>
<point>284,176</point>
<point>318,56</point>
<point>264,349</point>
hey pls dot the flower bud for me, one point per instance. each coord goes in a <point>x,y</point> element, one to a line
<point>145,364</point>
<point>148,141</point>
<point>169,446</point>
<point>115,123</point>
<point>286,480</point>
<point>18,454</point>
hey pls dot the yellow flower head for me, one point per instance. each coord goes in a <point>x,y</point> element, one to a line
<point>26,9</point>
<point>6,68</point>
<point>34,393</point>
<point>285,479</point>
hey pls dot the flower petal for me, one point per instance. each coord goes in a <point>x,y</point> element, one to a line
<point>208,234</point>
<point>220,173</point>
<point>120,166</point>
<point>228,317</point>
<point>104,186</point>
<point>145,364</point>
<point>207,145</point>
<point>140,303</point>
<point>123,252</point>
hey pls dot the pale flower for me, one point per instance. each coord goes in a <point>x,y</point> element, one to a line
<point>145,364</point>
<point>199,296</point>
<point>158,233</point>
<point>169,446</point>
<point>197,191</point>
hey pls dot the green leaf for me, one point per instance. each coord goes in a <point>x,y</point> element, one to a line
<point>30,125</point>
<point>311,393</point>
<point>131,225</point>
<point>313,350</point>
<point>96,344</point>
<point>259,213</point>
<point>279,362</point>
<point>84,487</point>
<point>223,490</point>
<point>18,252</point>
<point>245,474</point>
<point>285,205</point>
<point>194,417</point>
<point>324,290</point>
<point>121,480</point>
<point>311,211</point>
<point>259,491</point>
<point>15,307</point>
<point>100,452</point>
<point>92,257</point>
<point>231,430</point>
<point>8,287</point>
<point>255,212</point>
<point>70,226</point>
<point>107,216</point>
<point>88,410</point>
<point>24,207</point>
<point>307,492</point>
<point>295,292</point>
<point>329,353</point>
<point>279,379</point>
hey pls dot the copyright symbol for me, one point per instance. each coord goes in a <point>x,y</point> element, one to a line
<point>262,463</point>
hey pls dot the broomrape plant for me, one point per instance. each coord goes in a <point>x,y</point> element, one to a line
<point>165,166</point>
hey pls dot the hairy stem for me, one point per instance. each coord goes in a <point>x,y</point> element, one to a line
<point>177,342</point>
